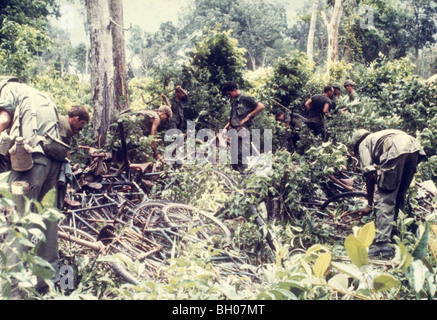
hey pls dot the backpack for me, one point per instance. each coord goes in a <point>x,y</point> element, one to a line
<point>4,80</point>
<point>5,140</point>
<point>21,159</point>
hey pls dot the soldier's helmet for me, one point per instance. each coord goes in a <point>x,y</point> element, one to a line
<point>349,82</point>
<point>336,85</point>
<point>167,110</point>
<point>357,137</point>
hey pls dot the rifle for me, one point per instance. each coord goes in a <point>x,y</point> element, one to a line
<point>282,106</point>
<point>148,102</point>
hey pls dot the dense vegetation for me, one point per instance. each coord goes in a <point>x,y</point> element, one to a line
<point>306,264</point>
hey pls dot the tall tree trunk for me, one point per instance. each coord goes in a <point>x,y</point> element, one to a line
<point>253,62</point>
<point>310,44</point>
<point>333,27</point>
<point>120,76</point>
<point>102,68</point>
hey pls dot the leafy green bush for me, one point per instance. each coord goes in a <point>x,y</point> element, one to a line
<point>288,82</point>
<point>21,44</point>
<point>215,59</point>
<point>66,91</point>
<point>16,231</point>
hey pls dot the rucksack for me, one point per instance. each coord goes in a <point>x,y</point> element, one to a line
<point>4,80</point>
<point>5,140</point>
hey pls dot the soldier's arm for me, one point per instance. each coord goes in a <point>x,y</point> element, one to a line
<point>326,108</point>
<point>164,97</point>
<point>5,120</point>
<point>179,88</point>
<point>153,131</point>
<point>308,104</point>
<point>259,107</point>
<point>370,178</point>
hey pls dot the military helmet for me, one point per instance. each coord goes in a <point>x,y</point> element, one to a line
<point>357,137</point>
<point>349,82</point>
<point>167,110</point>
<point>336,85</point>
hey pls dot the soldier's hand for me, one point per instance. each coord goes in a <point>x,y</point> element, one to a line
<point>367,210</point>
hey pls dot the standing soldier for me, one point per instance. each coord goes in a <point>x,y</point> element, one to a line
<point>243,110</point>
<point>177,107</point>
<point>336,95</point>
<point>318,107</point>
<point>349,85</point>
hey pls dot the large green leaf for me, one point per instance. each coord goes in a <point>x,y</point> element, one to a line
<point>306,266</point>
<point>416,275</point>
<point>315,248</point>
<point>4,176</point>
<point>422,247</point>
<point>348,269</point>
<point>322,264</point>
<point>366,234</point>
<point>340,282</point>
<point>35,219</point>
<point>280,294</point>
<point>3,258</point>
<point>49,199</point>
<point>405,257</point>
<point>385,282</point>
<point>42,272</point>
<point>356,251</point>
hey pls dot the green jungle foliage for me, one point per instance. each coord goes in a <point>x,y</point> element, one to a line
<point>312,260</point>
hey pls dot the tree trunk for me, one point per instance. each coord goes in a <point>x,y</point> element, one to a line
<point>102,68</point>
<point>333,27</point>
<point>310,44</point>
<point>120,76</point>
<point>253,62</point>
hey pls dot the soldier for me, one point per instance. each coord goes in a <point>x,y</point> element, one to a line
<point>293,122</point>
<point>336,95</point>
<point>349,85</point>
<point>152,120</point>
<point>243,110</point>
<point>397,154</point>
<point>33,111</point>
<point>71,124</point>
<point>318,107</point>
<point>177,107</point>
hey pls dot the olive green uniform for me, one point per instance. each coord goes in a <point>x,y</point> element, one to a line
<point>65,130</point>
<point>353,96</point>
<point>290,136</point>
<point>397,154</point>
<point>316,120</point>
<point>177,120</point>
<point>240,109</point>
<point>145,116</point>
<point>43,176</point>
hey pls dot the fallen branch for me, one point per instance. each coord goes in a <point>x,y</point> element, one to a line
<point>97,246</point>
